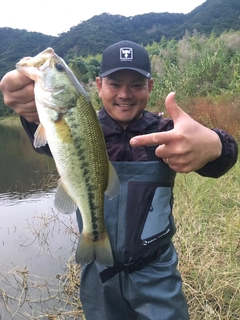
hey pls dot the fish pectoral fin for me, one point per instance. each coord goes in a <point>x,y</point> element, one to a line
<point>63,202</point>
<point>113,182</point>
<point>40,138</point>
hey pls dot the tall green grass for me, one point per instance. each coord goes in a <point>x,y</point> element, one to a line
<point>196,66</point>
<point>207,215</point>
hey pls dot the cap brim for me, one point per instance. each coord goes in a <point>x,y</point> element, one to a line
<point>144,73</point>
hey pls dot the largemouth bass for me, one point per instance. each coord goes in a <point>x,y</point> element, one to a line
<point>69,124</point>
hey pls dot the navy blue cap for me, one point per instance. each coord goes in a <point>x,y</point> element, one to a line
<point>125,55</point>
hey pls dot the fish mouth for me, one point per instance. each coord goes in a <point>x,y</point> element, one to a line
<point>38,61</point>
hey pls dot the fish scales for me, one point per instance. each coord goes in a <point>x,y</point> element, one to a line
<point>69,124</point>
<point>93,142</point>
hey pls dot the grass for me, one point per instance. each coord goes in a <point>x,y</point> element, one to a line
<point>208,243</point>
<point>10,121</point>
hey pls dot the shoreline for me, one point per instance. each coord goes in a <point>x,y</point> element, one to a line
<point>10,121</point>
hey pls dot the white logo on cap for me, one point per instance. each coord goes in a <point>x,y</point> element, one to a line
<point>126,54</point>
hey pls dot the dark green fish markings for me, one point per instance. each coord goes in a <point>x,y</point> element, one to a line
<point>69,124</point>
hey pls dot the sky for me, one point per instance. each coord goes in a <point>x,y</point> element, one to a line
<point>53,17</point>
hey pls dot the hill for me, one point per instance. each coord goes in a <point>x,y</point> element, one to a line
<point>93,35</point>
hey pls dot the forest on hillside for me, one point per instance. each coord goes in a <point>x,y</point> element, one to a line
<point>92,36</point>
<point>193,66</point>
<point>196,54</point>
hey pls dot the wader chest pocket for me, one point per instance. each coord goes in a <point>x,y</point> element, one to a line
<point>149,218</point>
<point>157,220</point>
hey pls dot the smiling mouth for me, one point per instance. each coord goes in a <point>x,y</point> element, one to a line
<point>124,105</point>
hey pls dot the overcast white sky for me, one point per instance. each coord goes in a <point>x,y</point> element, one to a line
<point>53,17</point>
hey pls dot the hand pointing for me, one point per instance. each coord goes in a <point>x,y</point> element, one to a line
<point>188,146</point>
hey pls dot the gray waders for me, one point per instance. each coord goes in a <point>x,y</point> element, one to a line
<point>144,283</point>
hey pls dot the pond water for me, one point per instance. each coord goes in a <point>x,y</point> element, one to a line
<point>36,242</point>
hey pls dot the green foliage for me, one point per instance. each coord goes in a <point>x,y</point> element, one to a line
<point>204,60</point>
<point>4,110</point>
<point>94,35</point>
<point>78,67</point>
<point>15,44</point>
<point>196,65</point>
<point>83,70</point>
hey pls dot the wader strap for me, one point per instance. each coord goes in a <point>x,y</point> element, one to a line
<point>132,266</point>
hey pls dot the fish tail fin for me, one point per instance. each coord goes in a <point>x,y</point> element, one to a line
<point>99,250</point>
<point>103,250</point>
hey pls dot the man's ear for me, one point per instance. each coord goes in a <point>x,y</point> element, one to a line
<point>99,85</point>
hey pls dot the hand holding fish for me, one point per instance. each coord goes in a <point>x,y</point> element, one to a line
<point>18,93</point>
<point>188,146</point>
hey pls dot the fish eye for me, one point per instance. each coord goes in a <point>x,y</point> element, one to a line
<point>59,66</point>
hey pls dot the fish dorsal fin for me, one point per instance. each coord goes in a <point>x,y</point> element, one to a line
<point>113,182</point>
<point>63,202</point>
<point>40,138</point>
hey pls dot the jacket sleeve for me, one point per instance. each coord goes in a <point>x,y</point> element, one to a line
<point>227,159</point>
<point>214,169</point>
<point>30,129</point>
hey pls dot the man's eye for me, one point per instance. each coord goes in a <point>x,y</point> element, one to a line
<point>138,85</point>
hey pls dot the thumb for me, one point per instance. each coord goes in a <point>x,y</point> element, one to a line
<point>173,109</point>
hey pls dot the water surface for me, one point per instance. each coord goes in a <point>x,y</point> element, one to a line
<point>36,241</point>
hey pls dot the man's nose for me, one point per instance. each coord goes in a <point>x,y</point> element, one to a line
<point>125,92</point>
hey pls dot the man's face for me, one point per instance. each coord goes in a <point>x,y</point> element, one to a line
<point>124,94</point>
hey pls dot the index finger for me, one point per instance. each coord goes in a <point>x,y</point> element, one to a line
<point>155,138</point>
<point>14,81</point>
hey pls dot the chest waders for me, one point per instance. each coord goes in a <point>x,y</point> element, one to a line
<point>139,219</point>
<point>144,283</point>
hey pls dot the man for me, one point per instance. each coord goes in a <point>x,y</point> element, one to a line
<point>147,151</point>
